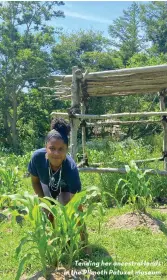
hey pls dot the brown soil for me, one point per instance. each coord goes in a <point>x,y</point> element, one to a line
<point>137,220</point>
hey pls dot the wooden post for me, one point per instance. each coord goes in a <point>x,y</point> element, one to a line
<point>83,111</point>
<point>75,107</point>
<point>164,123</point>
<point>83,132</point>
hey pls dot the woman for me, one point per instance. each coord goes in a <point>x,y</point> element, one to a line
<point>53,172</point>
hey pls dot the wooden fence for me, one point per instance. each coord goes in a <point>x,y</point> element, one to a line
<point>78,87</point>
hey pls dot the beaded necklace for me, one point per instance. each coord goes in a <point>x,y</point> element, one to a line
<point>52,186</point>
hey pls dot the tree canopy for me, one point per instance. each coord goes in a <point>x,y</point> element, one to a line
<point>31,49</point>
<point>24,59</point>
<point>125,33</point>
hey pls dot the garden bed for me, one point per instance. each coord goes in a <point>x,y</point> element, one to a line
<point>136,220</point>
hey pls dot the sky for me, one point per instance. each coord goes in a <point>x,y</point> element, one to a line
<point>96,15</point>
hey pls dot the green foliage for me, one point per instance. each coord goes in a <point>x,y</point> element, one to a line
<point>19,161</point>
<point>135,188</point>
<point>75,48</point>
<point>101,61</point>
<point>144,59</point>
<point>125,33</point>
<point>57,241</point>
<point>24,59</point>
<point>153,16</point>
<point>30,53</point>
<point>34,118</point>
<point>9,180</point>
<point>117,155</point>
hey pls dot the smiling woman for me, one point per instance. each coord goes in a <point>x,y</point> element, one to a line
<point>53,172</point>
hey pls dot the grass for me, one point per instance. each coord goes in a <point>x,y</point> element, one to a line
<point>111,245</point>
<point>127,246</point>
<point>10,237</point>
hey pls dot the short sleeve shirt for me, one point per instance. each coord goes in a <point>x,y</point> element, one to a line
<point>39,167</point>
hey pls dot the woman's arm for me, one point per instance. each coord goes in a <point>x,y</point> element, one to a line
<point>37,186</point>
<point>39,191</point>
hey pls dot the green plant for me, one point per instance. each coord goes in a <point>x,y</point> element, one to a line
<point>9,180</point>
<point>16,160</point>
<point>39,236</point>
<point>53,242</point>
<point>136,188</point>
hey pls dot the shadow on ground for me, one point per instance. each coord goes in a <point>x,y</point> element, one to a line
<point>98,265</point>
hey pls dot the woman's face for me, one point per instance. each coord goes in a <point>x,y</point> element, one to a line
<point>56,150</point>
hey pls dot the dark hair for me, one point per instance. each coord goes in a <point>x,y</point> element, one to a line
<point>60,129</point>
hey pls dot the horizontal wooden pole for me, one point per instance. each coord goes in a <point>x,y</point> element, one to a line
<point>110,116</point>
<point>63,97</point>
<point>134,77</point>
<point>121,93</point>
<point>127,88</point>
<point>120,170</point>
<point>51,96</point>
<point>62,89</point>
<point>96,164</point>
<point>146,69</point>
<point>149,160</point>
<point>132,85</point>
<point>121,123</point>
<point>60,114</point>
<point>62,92</point>
<point>56,97</point>
<point>115,91</point>
<point>62,78</point>
<point>48,88</point>
<point>136,161</point>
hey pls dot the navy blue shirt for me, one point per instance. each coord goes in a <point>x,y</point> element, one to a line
<point>39,167</point>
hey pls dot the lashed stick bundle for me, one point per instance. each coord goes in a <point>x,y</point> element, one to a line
<point>123,81</point>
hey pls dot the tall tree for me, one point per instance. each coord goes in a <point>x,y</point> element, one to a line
<point>87,50</point>
<point>153,16</point>
<point>34,111</point>
<point>25,61</point>
<point>74,49</point>
<point>125,33</point>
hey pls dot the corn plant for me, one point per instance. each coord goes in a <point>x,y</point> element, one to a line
<point>136,188</point>
<point>68,223</point>
<point>9,180</point>
<point>99,198</point>
<point>39,236</point>
<point>53,242</point>
<point>23,161</point>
